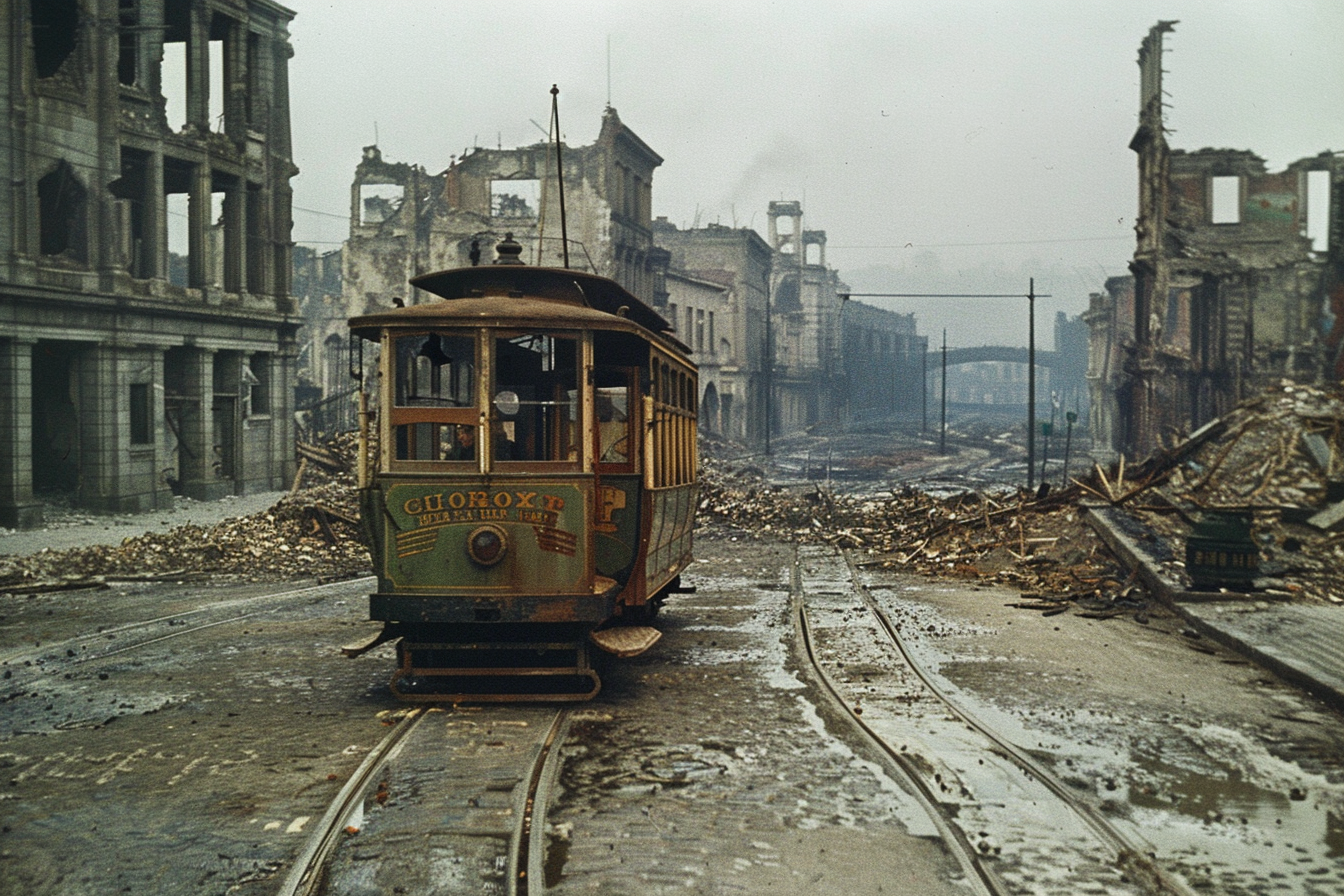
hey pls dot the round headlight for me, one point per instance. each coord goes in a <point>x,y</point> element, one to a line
<point>487,545</point>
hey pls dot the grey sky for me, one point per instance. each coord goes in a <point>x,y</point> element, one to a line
<point>950,146</point>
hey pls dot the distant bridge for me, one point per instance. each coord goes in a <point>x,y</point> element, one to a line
<point>1010,353</point>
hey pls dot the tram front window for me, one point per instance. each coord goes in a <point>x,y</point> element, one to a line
<point>434,371</point>
<point>536,399</point>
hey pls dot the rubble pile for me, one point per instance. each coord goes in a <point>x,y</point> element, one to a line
<point>1279,458</point>
<point>1040,546</point>
<point>312,532</point>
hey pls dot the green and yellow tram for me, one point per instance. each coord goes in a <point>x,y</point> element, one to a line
<point>528,479</point>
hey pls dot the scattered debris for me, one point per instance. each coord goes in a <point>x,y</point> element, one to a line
<point>313,532</point>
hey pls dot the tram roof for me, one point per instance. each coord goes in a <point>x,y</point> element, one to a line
<point>518,293</point>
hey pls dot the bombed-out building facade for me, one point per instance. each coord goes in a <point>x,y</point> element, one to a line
<point>146,326</point>
<point>766,320</point>
<point>1237,282</point>
<point>406,221</point>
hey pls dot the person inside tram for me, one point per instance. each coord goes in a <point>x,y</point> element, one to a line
<point>464,445</point>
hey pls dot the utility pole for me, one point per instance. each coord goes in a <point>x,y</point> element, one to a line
<point>942,429</point>
<point>1031,382</point>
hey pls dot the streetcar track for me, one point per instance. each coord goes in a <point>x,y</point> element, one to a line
<point>529,745</point>
<point>976,871</point>
<point>50,654</point>
<point>528,855</point>
<point>1131,858</point>
<point>1131,855</point>
<point>306,875</point>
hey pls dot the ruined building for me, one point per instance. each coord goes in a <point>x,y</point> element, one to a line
<point>808,376</point>
<point>135,127</point>
<point>405,221</point>
<point>776,336</point>
<point>716,294</point>
<point>1238,277</point>
<point>882,357</point>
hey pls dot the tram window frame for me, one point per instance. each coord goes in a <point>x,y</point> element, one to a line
<point>615,445</point>
<point>429,420</point>
<point>545,427</point>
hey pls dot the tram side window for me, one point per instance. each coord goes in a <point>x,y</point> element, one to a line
<point>612,404</point>
<point>434,370</point>
<point>536,397</point>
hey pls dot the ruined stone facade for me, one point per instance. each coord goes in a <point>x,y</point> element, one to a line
<point>125,377</point>
<point>1238,277</point>
<point>716,295</point>
<point>733,297</point>
<point>883,362</point>
<point>405,222</point>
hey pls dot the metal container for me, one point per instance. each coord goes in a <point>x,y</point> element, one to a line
<point>1220,552</point>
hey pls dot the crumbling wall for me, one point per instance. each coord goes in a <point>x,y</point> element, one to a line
<point>1231,291</point>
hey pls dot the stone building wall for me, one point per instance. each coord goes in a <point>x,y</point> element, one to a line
<point>1236,270</point>
<point>121,383</point>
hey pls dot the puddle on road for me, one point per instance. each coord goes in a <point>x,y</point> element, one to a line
<point>1232,822</point>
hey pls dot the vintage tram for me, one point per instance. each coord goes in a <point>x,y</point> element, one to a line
<point>527,481</point>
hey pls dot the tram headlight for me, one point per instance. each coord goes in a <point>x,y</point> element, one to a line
<point>487,545</point>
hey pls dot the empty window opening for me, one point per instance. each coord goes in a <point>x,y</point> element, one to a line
<point>257,379</point>
<point>1225,200</point>
<point>515,198</point>
<point>128,42</point>
<point>131,188</point>
<point>379,202</point>
<point>173,80</point>
<point>227,375</point>
<point>55,433</point>
<point>255,243</point>
<point>1318,210</point>
<point>336,376</point>
<point>215,91</point>
<point>179,243</point>
<point>55,33</point>
<point>142,432</point>
<point>62,213</point>
<point>812,253</point>
<point>215,240</point>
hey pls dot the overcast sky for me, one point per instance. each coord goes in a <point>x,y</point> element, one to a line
<point>947,146</point>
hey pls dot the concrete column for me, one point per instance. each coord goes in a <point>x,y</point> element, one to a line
<point>196,448</point>
<point>18,508</point>
<point>198,68</point>
<point>155,228</point>
<point>198,226</point>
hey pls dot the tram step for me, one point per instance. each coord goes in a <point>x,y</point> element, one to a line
<point>626,640</point>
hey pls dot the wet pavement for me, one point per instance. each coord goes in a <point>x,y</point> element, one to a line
<point>1302,643</point>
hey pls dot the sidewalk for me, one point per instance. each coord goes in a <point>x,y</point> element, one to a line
<point>1302,643</point>
<point>71,528</point>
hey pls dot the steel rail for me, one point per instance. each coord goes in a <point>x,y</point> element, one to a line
<point>15,655</point>
<point>1134,857</point>
<point>527,855</point>
<point>306,874</point>
<point>978,874</point>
